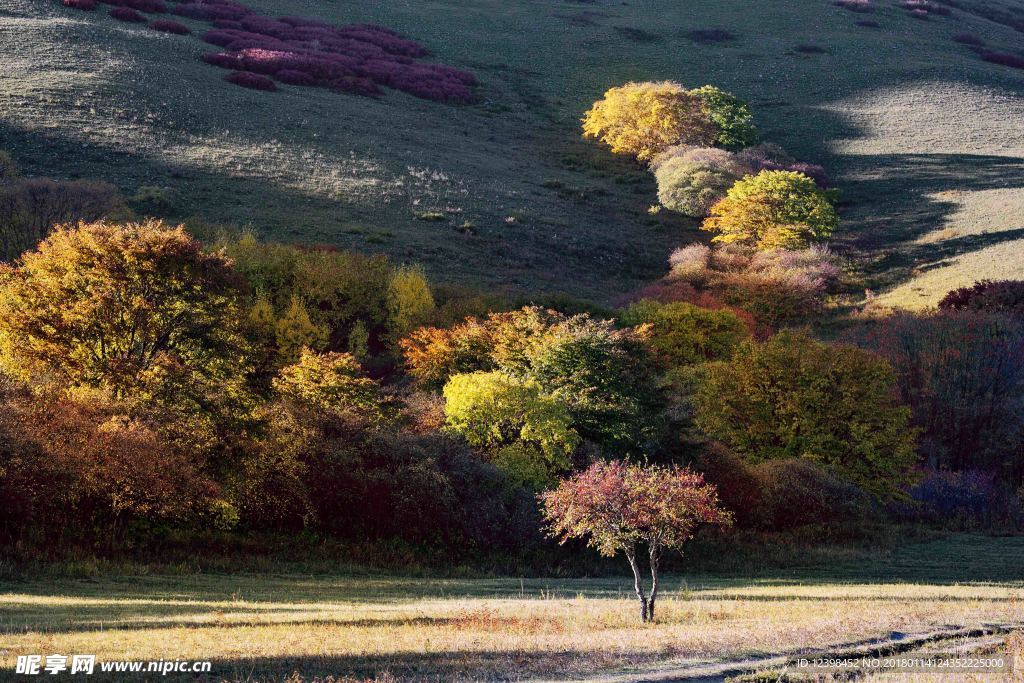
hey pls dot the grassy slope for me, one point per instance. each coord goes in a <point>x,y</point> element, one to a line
<point>891,110</point>
<point>263,625</point>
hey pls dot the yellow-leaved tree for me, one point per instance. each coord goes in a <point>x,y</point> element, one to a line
<point>643,119</point>
<point>773,210</point>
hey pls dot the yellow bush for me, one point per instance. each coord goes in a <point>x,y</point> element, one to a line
<point>643,119</point>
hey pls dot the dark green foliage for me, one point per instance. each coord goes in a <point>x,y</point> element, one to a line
<point>794,397</point>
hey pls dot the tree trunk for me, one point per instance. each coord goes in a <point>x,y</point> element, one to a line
<point>631,556</point>
<point>655,556</point>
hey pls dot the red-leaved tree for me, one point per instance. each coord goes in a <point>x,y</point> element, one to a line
<point>616,506</point>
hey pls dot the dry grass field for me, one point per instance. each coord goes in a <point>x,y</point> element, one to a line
<point>922,135</point>
<point>267,626</point>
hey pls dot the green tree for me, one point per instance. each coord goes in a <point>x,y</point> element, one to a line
<point>511,418</point>
<point>773,210</point>
<point>359,340</point>
<point>683,334</point>
<point>733,120</point>
<point>605,377</point>
<point>795,397</point>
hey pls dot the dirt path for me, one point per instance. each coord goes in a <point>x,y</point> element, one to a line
<point>967,640</point>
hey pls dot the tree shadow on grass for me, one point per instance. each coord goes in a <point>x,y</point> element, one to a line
<point>891,201</point>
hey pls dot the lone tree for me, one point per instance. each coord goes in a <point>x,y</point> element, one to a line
<point>616,505</point>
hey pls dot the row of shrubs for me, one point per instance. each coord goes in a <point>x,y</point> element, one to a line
<point>358,59</point>
<point>699,144</point>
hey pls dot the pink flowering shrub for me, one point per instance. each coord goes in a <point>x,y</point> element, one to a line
<point>128,15</point>
<point>168,26</point>
<point>357,59</point>
<point>250,80</point>
<point>775,287</point>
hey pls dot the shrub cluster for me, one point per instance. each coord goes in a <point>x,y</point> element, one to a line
<point>999,296</point>
<point>128,15</point>
<point>923,9</point>
<point>251,80</point>
<point>691,180</point>
<point>170,26</point>
<point>359,59</point>
<point>855,5</point>
<point>962,374</point>
<point>699,145</point>
<point>777,287</point>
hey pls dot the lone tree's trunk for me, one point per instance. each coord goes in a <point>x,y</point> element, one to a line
<point>655,555</point>
<point>631,556</point>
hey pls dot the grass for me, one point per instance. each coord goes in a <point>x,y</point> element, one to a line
<point>264,627</point>
<point>321,167</point>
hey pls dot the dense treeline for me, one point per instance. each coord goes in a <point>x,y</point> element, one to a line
<point>151,382</point>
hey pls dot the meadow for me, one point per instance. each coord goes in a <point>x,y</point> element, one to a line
<point>261,627</point>
<point>919,132</point>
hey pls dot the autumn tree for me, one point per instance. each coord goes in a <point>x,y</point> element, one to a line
<point>410,301</point>
<point>683,334</point>
<point>295,331</point>
<point>643,119</point>
<point>605,376</point>
<point>331,383</point>
<point>773,210</point>
<point>107,306</point>
<point>617,506</point>
<point>434,354</point>
<point>796,397</point>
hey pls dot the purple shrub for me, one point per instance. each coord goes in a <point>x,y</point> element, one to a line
<point>855,5</point>
<point>1000,296</point>
<point>710,36</point>
<point>169,26</point>
<point>207,10</point>
<point>813,171</point>
<point>968,39</point>
<point>967,499</point>
<point>294,77</point>
<point>251,80</point>
<point>1003,58</point>
<point>962,375</point>
<point>358,58</point>
<point>128,15</point>
<point>922,9</point>
<point>151,6</point>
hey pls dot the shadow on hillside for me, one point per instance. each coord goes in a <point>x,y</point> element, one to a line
<point>891,201</point>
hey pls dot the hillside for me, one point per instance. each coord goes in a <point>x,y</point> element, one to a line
<point>923,136</point>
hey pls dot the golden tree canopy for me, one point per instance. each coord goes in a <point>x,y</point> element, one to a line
<point>643,119</point>
<point>773,210</point>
